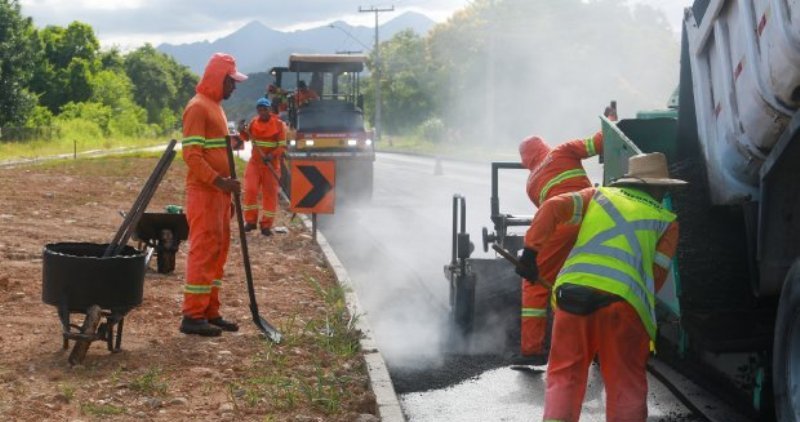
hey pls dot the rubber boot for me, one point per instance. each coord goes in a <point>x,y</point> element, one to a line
<point>224,324</point>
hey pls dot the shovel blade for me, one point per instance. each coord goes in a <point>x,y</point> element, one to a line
<point>269,331</point>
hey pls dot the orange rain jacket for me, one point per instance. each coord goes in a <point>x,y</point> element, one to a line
<point>553,172</point>
<point>304,95</point>
<point>269,138</point>
<point>207,207</point>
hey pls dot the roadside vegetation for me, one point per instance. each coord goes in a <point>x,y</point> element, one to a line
<point>60,89</point>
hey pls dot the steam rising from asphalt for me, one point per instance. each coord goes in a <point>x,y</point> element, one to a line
<point>551,69</point>
<point>396,247</point>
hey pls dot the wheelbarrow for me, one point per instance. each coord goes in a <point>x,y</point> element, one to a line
<point>77,278</point>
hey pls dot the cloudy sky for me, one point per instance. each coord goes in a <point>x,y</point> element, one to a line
<point>130,23</point>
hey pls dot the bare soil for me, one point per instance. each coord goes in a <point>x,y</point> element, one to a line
<point>317,373</point>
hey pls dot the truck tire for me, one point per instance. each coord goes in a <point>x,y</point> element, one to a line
<point>786,349</point>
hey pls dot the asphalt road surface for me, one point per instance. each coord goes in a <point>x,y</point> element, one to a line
<point>395,248</point>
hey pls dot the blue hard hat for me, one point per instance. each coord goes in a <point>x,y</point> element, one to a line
<point>263,102</point>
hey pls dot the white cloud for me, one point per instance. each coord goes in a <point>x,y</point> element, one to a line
<point>130,23</point>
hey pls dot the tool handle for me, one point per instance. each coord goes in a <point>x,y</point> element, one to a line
<point>237,203</point>
<point>513,259</point>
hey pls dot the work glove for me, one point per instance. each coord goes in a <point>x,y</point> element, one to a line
<point>267,159</point>
<point>527,268</point>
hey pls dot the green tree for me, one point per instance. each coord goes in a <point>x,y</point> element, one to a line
<point>405,82</point>
<point>161,85</point>
<point>68,59</point>
<point>17,51</point>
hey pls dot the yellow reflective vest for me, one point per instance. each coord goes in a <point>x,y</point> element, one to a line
<point>616,248</point>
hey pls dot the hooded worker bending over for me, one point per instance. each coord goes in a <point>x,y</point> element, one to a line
<point>268,134</point>
<point>208,197</point>
<point>553,172</point>
<point>605,293</point>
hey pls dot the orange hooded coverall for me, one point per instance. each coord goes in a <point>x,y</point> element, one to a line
<point>207,207</point>
<point>615,333</point>
<point>553,172</point>
<point>269,138</point>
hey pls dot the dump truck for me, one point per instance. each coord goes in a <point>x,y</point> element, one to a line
<point>729,315</point>
<point>332,126</point>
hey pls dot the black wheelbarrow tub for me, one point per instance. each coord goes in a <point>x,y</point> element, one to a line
<point>76,276</point>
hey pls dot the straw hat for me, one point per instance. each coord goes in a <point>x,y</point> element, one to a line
<point>648,169</point>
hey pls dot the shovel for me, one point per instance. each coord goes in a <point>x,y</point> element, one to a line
<point>512,259</point>
<point>262,324</point>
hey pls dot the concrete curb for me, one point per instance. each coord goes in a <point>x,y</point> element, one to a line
<point>386,398</point>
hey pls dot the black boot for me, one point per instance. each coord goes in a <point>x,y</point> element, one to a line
<point>248,227</point>
<point>224,324</point>
<point>266,231</point>
<point>199,327</point>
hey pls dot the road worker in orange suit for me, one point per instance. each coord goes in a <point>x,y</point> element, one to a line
<point>268,135</point>
<point>208,197</point>
<point>553,171</point>
<point>605,292</point>
<point>305,94</point>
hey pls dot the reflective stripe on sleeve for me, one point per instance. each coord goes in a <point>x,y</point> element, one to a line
<point>590,149</point>
<point>214,143</point>
<point>569,174</point>
<point>193,141</point>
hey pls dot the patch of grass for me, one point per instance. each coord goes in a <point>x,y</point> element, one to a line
<point>150,383</point>
<point>337,334</point>
<point>45,148</point>
<point>92,409</point>
<point>312,367</point>
<point>68,391</point>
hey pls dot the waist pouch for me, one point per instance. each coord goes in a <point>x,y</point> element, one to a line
<point>582,300</point>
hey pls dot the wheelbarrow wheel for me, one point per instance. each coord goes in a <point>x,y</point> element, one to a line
<point>89,328</point>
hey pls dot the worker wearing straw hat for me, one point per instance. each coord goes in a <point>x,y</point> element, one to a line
<point>605,293</point>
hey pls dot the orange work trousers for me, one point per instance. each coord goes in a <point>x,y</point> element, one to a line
<point>617,336</point>
<point>258,178</point>
<point>535,297</point>
<point>208,212</point>
<point>533,328</point>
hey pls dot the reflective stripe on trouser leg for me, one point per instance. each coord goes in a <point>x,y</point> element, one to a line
<point>269,196</point>
<point>252,185</point>
<point>207,212</point>
<point>533,321</point>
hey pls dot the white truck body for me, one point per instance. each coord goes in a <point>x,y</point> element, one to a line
<point>745,62</point>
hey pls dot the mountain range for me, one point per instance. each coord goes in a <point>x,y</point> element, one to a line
<point>258,47</point>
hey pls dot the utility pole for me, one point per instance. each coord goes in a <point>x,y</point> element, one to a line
<point>376,11</point>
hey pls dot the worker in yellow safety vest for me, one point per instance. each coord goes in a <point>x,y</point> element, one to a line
<point>605,292</point>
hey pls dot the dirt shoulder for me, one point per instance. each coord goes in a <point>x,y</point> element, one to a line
<point>317,373</point>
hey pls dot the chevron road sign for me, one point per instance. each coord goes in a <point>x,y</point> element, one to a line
<point>313,186</point>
